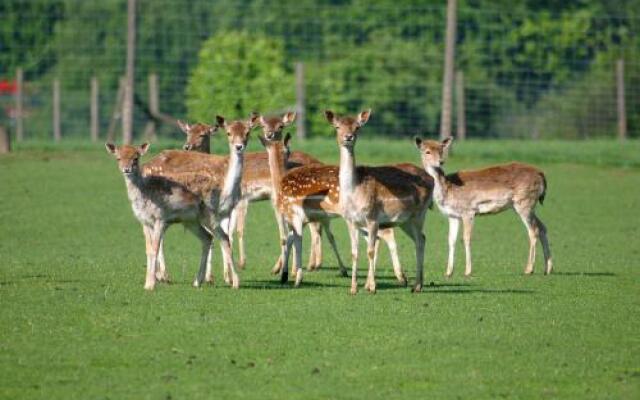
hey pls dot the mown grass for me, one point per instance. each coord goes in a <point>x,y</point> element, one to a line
<point>76,323</point>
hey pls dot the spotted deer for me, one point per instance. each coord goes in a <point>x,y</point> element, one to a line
<point>197,190</point>
<point>465,194</point>
<point>256,183</point>
<point>308,195</point>
<point>372,198</point>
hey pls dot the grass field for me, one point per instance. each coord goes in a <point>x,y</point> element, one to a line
<point>75,322</point>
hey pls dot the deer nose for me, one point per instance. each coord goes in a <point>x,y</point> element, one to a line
<point>348,138</point>
<point>187,147</point>
<point>239,147</point>
<point>126,170</point>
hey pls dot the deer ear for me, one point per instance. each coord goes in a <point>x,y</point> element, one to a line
<point>288,118</point>
<point>330,116</point>
<point>287,138</point>
<point>363,117</point>
<point>142,149</point>
<point>418,142</point>
<point>220,120</point>
<point>213,129</point>
<point>184,126</point>
<point>446,142</point>
<point>253,120</point>
<point>111,148</point>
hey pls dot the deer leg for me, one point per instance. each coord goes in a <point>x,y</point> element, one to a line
<point>239,221</point>
<point>353,234</point>
<point>297,243</point>
<point>372,238</point>
<point>315,255</point>
<point>148,248</point>
<point>161,271</point>
<point>528,218</point>
<point>284,277</point>
<point>334,247</point>
<point>155,236</point>
<point>224,227</point>
<point>389,237</point>
<point>542,232</point>
<point>206,239</point>
<point>454,225</point>
<point>467,225</point>
<point>230,267</point>
<point>208,276</point>
<point>282,231</point>
<point>414,231</point>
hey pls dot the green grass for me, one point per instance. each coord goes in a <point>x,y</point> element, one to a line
<point>76,323</point>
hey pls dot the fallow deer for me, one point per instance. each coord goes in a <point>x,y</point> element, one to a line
<point>175,177</point>
<point>465,194</point>
<point>158,202</point>
<point>309,194</point>
<point>379,197</point>
<point>256,183</point>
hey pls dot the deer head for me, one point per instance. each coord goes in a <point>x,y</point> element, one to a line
<point>347,127</point>
<point>272,126</point>
<point>198,136</point>
<point>238,132</point>
<point>128,156</point>
<point>433,153</point>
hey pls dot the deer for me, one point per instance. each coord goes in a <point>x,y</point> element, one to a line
<point>466,194</point>
<point>197,190</point>
<point>256,184</point>
<point>307,195</point>
<point>379,197</point>
<point>158,202</point>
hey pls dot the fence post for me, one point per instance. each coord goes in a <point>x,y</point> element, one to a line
<point>117,109</point>
<point>301,131</point>
<point>447,81</point>
<point>19,105</point>
<point>56,110</point>
<point>127,105</point>
<point>622,112</point>
<point>154,107</point>
<point>5,141</point>
<point>95,110</point>
<point>461,125</point>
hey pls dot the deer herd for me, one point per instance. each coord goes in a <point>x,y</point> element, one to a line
<point>209,194</point>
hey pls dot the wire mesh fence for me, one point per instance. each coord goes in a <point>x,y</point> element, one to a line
<point>521,72</point>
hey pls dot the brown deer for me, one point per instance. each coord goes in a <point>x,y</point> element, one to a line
<point>198,190</point>
<point>465,194</point>
<point>379,197</point>
<point>256,183</point>
<point>306,195</point>
<point>158,202</point>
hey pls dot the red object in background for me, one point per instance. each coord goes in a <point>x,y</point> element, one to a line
<point>8,87</point>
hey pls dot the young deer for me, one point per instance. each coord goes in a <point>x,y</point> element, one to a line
<point>158,202</point>
<point>209,184</point>
<point>256,185</point>
<point>379,197</point>
<point>308,195</point>
<point>465,194</point>
<point>278,156</point>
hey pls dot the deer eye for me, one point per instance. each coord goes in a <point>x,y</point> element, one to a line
<point>428,152</point>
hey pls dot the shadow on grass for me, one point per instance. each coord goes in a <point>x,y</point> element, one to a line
<point>275,284</point>
<point>591,274</point>
<point>478,290</point>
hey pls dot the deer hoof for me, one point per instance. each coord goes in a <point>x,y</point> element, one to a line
<point>416,289</point>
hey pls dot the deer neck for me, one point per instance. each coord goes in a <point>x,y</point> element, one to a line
<point>439,183</point>
<point>277,170</point>
<point>348,174</point>
<point>231,188</point>
<point>205,146</point>
<point>135,189</point>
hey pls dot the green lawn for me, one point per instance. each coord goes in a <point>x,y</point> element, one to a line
<point>77,324</point>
